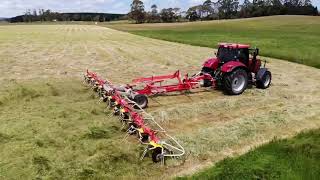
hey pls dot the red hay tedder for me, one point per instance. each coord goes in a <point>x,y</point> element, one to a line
<point>136,121</point>
<point>233,69</point>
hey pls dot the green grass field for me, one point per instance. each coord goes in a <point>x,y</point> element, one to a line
<point>295,158</point>
<point>293,38</point>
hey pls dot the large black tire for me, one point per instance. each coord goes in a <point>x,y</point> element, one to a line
<point>265,81</point>
<point>157,155</point>
<point>236,82</point>
<point>141,100</point>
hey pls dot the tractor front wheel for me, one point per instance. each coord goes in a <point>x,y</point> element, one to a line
<point>236,82</point>
<point>265,81</point>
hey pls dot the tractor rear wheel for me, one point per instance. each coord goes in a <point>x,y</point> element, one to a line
<point>141,100</point>
<point>236,82</point>
<point>265,81</point>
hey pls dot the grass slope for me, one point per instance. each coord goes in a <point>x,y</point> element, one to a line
<point>294,38</point>
<point>295,158</point>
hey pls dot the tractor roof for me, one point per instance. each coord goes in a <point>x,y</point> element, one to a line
<point>233,45</point>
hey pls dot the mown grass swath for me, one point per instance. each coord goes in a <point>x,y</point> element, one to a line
<point>293,38</point>
<point>295,158</point>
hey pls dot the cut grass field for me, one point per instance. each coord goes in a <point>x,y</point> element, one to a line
<point>293,38</point>
<point>294,158</point>
<point>53,127</point>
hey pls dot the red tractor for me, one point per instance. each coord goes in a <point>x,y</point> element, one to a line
<point>235,67</point>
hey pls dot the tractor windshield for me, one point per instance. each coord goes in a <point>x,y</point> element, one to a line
<point>227,54</point>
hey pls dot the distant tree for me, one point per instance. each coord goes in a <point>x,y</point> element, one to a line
<point>177,13</point>
<point>228,8</point>
<point>47,15</point>
<point>307,3</point>
<point>153,16</point>
<point>193,13</point>
<point>41,14</point>
<point>259,8</point>
<point>207,8</point>
<point>76,17</point>
<point>102,18</point>
<point>96,18</point>
<point>65,17</point>
<point>35,15</point>
<point>275,7</point>
<point>168,15</point>
<point>154,9</point>
<point>137,12</point>
<point>26,15</point>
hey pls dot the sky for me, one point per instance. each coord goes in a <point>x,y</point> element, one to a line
<point>10,8</point>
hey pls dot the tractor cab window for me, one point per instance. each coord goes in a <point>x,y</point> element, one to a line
<point>231,54</point>
<point>227,54</point>
<point>244,56</point>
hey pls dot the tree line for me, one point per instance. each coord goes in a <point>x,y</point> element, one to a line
<point>48,15</point>
<point>221,9</point>
<point>208,10</point>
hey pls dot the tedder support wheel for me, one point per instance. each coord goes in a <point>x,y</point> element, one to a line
<point>265,81</point>
<point>236,82</point>
<point>157,155</point>
<point>141,100</point>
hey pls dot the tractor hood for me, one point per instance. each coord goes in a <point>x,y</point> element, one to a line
<point>211,63</point>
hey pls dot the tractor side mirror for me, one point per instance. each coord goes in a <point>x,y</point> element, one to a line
<point>257,51</point>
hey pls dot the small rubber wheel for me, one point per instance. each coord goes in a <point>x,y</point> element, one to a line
<point>141,100</point>
<point>157,155</point>
<point>265,81</point>
<point>124,117</point>
<point>236,82</point>
<point>144,138</point>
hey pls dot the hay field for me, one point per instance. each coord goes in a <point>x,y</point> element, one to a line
<point>53,127</point>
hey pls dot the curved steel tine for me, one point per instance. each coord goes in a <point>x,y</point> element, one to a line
<point>123,125</point>
<point>144,153</point>
<point>125,137</point>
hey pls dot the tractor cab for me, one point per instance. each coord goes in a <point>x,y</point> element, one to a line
<point>237,52</point>
<point>233,52</point>
<point>235,66</point>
